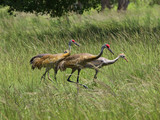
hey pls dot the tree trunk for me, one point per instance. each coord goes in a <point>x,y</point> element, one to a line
<point>122,4</point>
<point>105,3</point>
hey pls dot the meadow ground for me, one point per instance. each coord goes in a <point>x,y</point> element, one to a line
<point>123,90</point>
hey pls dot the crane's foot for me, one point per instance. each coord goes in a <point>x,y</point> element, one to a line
<point>78,84</point>
<point>55,79</point>
<point>94,82</point>
<point>42,79</point>
<point>85,86</point>
<point>50,79</point>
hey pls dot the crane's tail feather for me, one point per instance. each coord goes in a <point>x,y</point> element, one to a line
<point>37,56</point>
<point>32,59</point>
<point>33,67</point>
<point>36,61</point>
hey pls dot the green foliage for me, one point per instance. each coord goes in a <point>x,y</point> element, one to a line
<point>51,7</point>
<point>123,90</point>
<point>145,2</point>
<point>155,2</point>
<point>60,7</point>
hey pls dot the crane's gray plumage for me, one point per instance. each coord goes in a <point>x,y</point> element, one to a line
<point>101,61</point>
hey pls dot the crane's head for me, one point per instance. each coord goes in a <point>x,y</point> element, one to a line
<point>108,47</point>
<point>73,41</point>
<point>123,56</point>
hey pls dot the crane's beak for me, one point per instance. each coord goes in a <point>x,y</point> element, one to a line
<point>125,59</point>
<point>110,51</point>
<point>76,44</point>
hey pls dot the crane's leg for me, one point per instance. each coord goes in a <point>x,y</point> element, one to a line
<point>79,70</point>
<point>78,81</point>
<point>73,70</point>
<point>49,77</point>
<point>44,75</point>
<point>95,76</point>
<point>55,73</point>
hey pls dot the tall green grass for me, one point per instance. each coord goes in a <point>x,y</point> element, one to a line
<point>123,90</point>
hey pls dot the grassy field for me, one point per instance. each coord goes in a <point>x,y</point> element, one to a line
<point>124,91</point>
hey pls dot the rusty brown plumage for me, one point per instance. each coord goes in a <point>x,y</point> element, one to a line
<point>75,61</point>
<point>78,61</point>
<point>50,61</point>
<point>46,60</point>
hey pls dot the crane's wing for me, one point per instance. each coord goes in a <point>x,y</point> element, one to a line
<point>43,60</point>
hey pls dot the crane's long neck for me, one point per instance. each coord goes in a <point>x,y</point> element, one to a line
<point>111,61</point>
<point>100,54</point>
<point>97,56</point>
<point>69,47</point>
<point>67,52</point>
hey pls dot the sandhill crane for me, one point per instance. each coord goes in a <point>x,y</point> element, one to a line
<point>78,61</point>
<point>100,62</point>
<point>50,61</point>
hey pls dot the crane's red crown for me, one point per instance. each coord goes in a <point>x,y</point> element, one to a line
<point>73,40</point>
<point>108,45</point>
